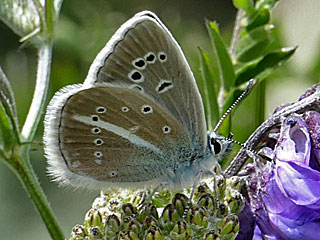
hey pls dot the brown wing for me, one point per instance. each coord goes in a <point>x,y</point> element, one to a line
<point>118,135</point>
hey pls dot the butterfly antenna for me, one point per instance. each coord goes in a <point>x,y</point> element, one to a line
<point>230,138</point>
<point>252,82</point>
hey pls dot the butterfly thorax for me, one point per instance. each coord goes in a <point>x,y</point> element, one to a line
<point>190,163</point>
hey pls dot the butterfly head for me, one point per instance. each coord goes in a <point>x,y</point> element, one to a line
<point>219,145</point>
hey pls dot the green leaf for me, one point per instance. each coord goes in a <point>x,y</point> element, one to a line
<point>264,65</point>
<point>266,4</point>
<point>224,60</point>
<point>253,44</point>
<point>208,90</point>
<point>6,128</point>
<point>8,115</point>
<point>246,5</point>
<point>28,18</point>
<point>21,16</point>
<point>262,17</point>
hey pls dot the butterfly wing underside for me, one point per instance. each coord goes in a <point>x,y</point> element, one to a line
<point>137,117</point>
<point>105,140</point>
<point>143,56</point>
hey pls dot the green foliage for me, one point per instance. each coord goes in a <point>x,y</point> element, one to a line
<point>246,5</point>
<point>223,58</point>
<point>208,89</point>
<point>8,117</point>
<point>264,65</point>
<point>249,57</point>
<point>207,218</point>
<point>30,19</point>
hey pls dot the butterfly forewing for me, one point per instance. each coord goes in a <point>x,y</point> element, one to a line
<point>144,57</point>
<point>121,138</point>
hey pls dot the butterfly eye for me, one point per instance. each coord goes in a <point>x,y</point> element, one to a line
<point>216,145</point>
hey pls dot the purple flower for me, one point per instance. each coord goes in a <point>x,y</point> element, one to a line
<point>283,197</point>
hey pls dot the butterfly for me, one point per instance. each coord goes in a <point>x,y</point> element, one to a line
<point>137,120</point>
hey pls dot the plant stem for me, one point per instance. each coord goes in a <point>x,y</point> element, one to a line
<point>20,163</point>
<point>40,94</point>
<point>259,105</point>
<point>20,159</point>
<point>235,34</point>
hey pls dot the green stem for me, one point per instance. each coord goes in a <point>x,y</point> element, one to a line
<point>235,34</point>
<point>40,94</point>
<point>259,104</point>
<point>20,159</point>
<point>20,163</point>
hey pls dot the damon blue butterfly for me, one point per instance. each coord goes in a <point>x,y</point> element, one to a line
<point>137,120</point>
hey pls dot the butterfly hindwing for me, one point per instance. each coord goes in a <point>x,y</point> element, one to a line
<point>106,140</point>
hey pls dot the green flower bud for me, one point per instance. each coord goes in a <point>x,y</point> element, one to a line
<point>235,203</point>
<point>114,215</point>
<point>93,218</point>
<point>222,210</point>
<point>212,235</point>
<point>148,210</point>
<point>112,226</point>
<point>133,225</point>
<point>170,213</point>
<point>221,187</point>
<point>128,210</point>
<point>78,232</point>
<point>207,201</point>
<point>128,235</point>
<point>180,202</point>
<point>202,189</point>
<point>154,233</point>
<point>229,226</point>
<point>94,233</point>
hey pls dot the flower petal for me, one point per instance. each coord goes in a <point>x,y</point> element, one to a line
<point>299,183</point>
<point>294,230</point>
<point>294,143</point>
<point>312,119</point>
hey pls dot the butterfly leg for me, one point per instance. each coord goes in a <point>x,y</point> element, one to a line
<point>217,171</point>
<point>195,184</point>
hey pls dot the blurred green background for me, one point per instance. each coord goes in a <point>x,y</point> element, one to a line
<point>84,28</point>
